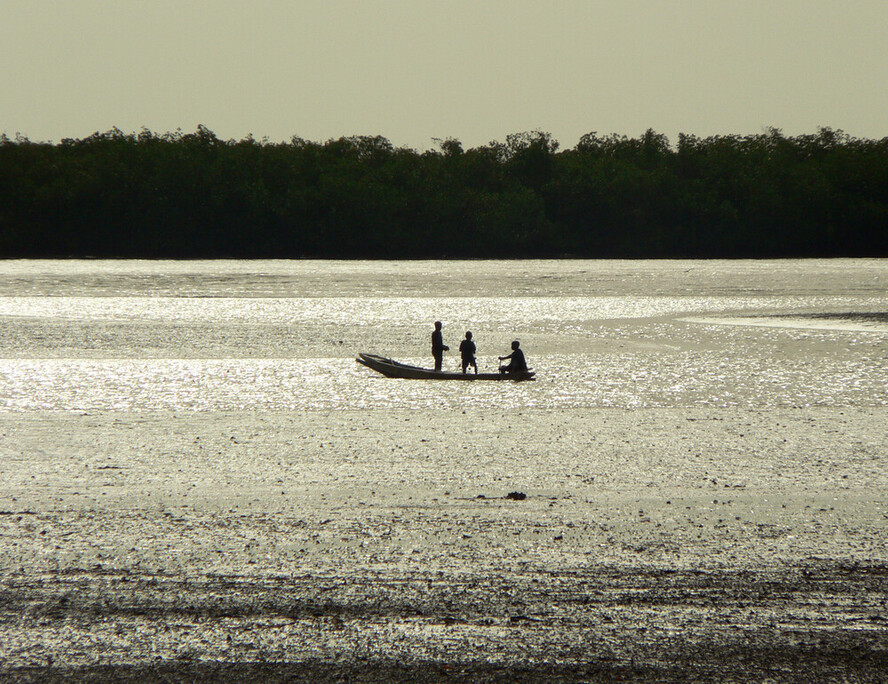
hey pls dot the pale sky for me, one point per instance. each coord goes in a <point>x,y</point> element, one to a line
<point>414,70</point>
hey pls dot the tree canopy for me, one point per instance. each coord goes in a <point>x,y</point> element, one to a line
<point>192,195</point>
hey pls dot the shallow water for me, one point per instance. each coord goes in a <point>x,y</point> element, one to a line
<point>282,335</point>
<point>197,473</point>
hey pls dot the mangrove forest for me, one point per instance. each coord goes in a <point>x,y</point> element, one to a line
<point>193,195</point>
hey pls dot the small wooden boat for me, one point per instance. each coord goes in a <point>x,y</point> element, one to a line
<point>394,369</point>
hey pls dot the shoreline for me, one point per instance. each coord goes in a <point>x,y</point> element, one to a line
<point>647,625</point>
<point>653,545</point>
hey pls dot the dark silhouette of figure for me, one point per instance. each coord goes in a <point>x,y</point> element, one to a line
<point>438,346</point>
<point>467,350</point>
<point>517,362</point>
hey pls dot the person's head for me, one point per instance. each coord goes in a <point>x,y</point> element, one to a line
<point>437,325</point>
<point>468,334</point>
<point>516,344</point>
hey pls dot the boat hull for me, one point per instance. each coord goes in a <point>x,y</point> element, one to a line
<point>395,369</point>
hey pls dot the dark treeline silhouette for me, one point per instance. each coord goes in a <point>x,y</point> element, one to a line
<point>193,195</point>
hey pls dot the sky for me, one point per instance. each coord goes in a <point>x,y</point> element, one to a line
<point>415,71</point>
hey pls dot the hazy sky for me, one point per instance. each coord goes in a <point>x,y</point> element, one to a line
<point>412,70</point>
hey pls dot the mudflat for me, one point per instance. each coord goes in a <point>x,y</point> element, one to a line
<point>657,544</point>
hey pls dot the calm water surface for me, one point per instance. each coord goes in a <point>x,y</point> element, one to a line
<point>282,335</point>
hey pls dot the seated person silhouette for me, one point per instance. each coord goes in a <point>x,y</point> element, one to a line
<point>467,351</point>
<point>517,363</point>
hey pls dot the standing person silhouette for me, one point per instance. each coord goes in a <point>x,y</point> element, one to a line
<point>438,346</point>
<point>517,364</point>
<point>467,350</point>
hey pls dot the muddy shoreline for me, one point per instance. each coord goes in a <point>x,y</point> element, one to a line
<point>792,624</point>
<point>652,545</point>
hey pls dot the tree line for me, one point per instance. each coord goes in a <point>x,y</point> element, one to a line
<point>177,195</point>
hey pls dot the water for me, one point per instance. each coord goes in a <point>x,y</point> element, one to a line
<point>106,336</point>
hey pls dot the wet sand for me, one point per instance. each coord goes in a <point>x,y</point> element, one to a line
<point>650,545</point>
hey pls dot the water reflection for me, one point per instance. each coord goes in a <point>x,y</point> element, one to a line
<point>398,310</point>
<point>246,336</point>
<point>565,382</point>
<point>445,279</point>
